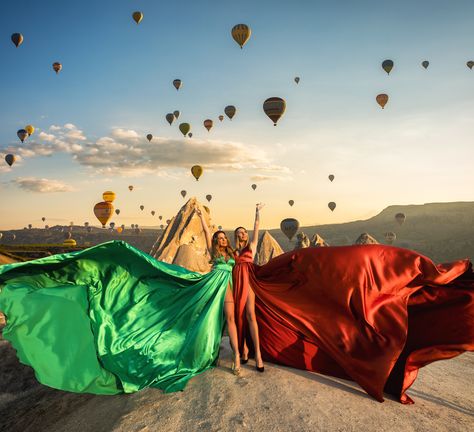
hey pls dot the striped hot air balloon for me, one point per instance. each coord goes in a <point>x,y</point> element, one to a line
<point>274,108</point>
<point>241,34</point>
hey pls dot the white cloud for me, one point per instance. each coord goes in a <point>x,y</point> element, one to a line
<point>41,185</point>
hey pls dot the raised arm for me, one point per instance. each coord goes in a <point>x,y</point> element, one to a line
<point>253,243</point>
<point>205,228</point>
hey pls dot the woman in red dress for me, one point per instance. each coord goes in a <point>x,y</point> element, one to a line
<point>374,314</point>
<point>244,297</point>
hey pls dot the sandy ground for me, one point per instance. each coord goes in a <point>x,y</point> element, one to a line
<point>281,399</point>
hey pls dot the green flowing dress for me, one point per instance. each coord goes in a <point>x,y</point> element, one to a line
<point>111,319</point>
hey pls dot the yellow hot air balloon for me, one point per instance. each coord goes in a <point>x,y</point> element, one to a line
<point>230,111</point>
<point>108,196</point>
<point>274,108</point>
<point>208,124</point>
<point>137,16</point>
<point>119,230</point>
<point>241,34</point>
<point>30,129</point>
<point>382,99</point>
<point>57,67</point>
<point>69,242</point>
<point>103,211</point>
<point>184,128</point>
<point>196,171</point>
<point>177,84</point>
<point>289,227</point>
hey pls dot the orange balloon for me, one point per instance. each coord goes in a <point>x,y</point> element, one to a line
<point>103,211</point>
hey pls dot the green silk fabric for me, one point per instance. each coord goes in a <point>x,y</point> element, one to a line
<point>111,319</point>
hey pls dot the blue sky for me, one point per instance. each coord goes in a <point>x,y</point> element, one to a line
<point>115,87</point>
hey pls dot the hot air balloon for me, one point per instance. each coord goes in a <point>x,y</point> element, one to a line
<point>176,114</point>
<point>10,159</point>
<point>208,124</point>
<point>22,134</point>
<point>86,224</point>
<point>387,66</point>
<point>274,108</point>
<point>149,137</point>
<point>219,227</point>
<point>297,80</point>
<point>30,129</point>
<point>470,64</point>
<point>400,218</point>
<point>119,230</point>
<point>17,39</point>
<point>160,217</point>
<point>289,227</point>
<point>241,34</point>
<point>168,221</point>
<point>390,237</point>
<point>153,212</point>
<point>184,128</point>
<point>162,226</point>
<point>183,193</point>
<point>117,211</point>
<point>221,117</point>
<point>230,111</point>
<point>177,84</point>
<point>57,67</point>
<point>137,16</point>
<point>196,171</point>
<point>170,118</point>
<point>132,226</point>
<point>130,188</point>
<point>190,135</point>
<point>254,186</point>
<point>112,225</point>
<point>291,202</point>
<point>331,177</point>
<point>30,226</point>
<point>69,242</point>
<point>103,211</point>
<point>46,227</point>
<point>382,99</point>
<point>332,205</point>
<point>43,218</point>
<point>425,64</point>
<point>142,207</point>
<point>89,229</point>
<point>209,197</point>
<point>108,196</point>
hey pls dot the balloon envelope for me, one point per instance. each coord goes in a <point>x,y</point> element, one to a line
<point>470,64</point>
<point>387,66</point>
<point>297,80</point>
<point>291,202</point>
<point>274,108</point>
<point>184,128</point>
<point>254,186</point>
<point>230,111</point>
<point>241,34</point>
<point>196,171</point>
<point>208,124</point>
<point>176,114</point>
<point>331,177</point>
<point>30,129</point>
<point>108,196</point>
<point>57,67</point>
<point>425,64</point>
<point>153,212</point>
<point>103,211</point>
<point>117,212</point>
<point>130,188</point>
<point>209,197</point>
<point>10,159</point>
<point>382,99</point>
<point>22,134</point>
<point>17,39</point>
<point>221,117</point>
<point>170,118</point>
<point>149,137</point>
<point>289,227</point>
<point>183,193</point>
<point>332,205</point>
<point>177,84</point>
<point>137,16</point>
<point>142,207</point>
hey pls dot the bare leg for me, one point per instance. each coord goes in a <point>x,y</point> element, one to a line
<point>231,327</point>
<point>253,327</point>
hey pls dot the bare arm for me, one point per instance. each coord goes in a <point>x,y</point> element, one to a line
<point>253,243</point>
<point>205,228</point>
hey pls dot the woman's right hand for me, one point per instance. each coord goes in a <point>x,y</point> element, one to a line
<point>198,211</point>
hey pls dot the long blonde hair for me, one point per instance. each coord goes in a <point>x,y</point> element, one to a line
<point>236,239</point>
<point>215,253</point>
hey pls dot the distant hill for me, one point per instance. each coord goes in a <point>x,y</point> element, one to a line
<point>441,231</point>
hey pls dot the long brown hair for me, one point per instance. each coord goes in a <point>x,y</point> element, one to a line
<point>236,239</point>
<point>214,248</point>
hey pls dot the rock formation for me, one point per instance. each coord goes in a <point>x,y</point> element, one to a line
<point>267,249</point>
<point>302,241</point>
<point>183,241</point>
<point>318,241</point>
<point>365,238</point>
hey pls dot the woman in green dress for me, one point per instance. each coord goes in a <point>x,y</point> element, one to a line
<point>111,319</point>
<point>223,255</point>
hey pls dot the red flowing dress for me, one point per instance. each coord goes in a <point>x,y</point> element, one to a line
<point>374,314</point>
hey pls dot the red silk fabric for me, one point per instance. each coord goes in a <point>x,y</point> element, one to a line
<point>372,313</point>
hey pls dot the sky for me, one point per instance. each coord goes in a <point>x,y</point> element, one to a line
<point>115,87</point>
